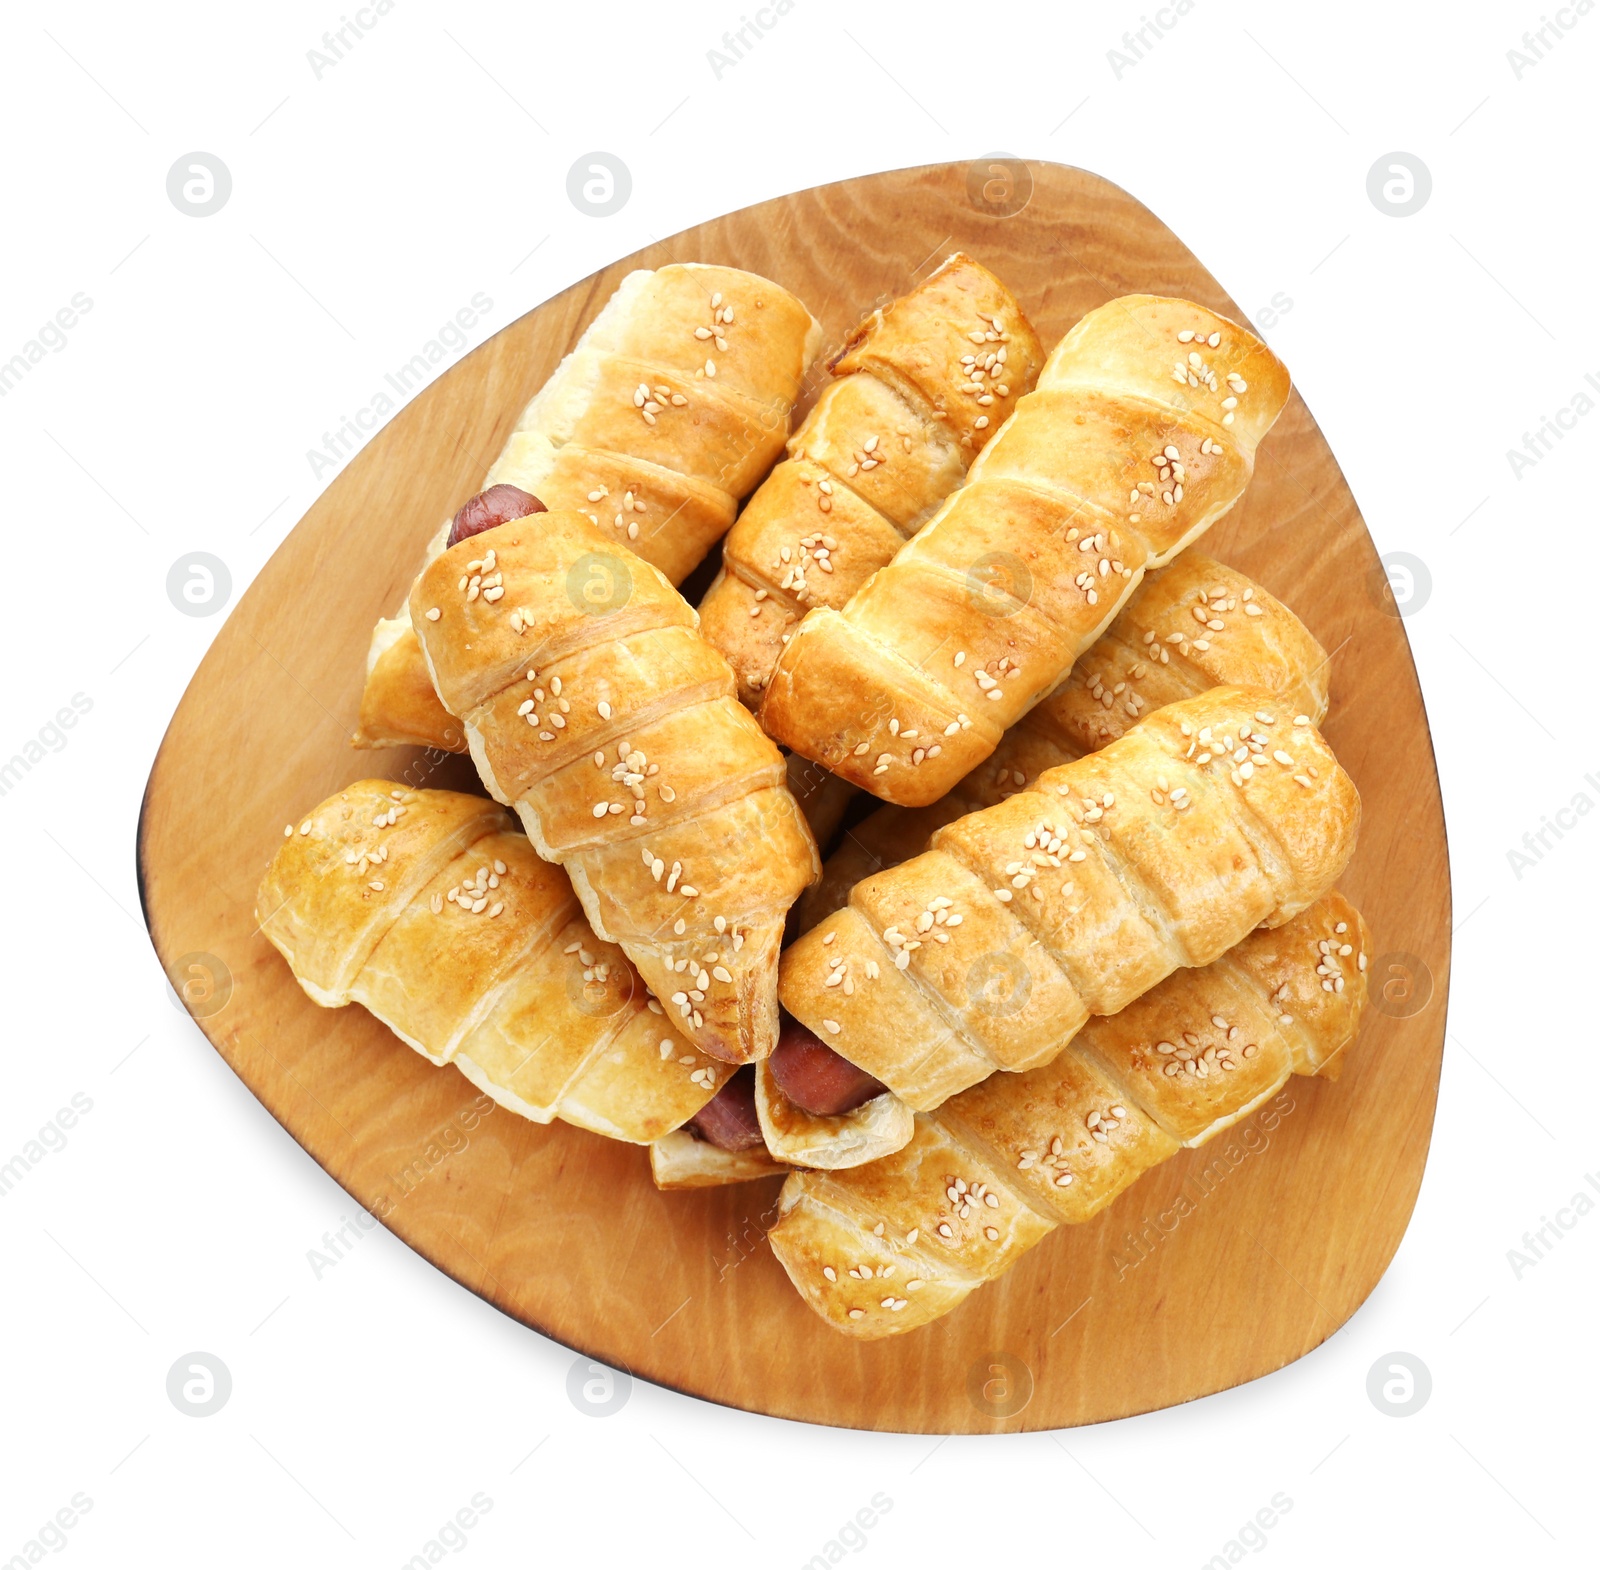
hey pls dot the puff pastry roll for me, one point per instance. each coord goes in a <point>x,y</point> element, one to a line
<point>673,404</point>
<point>1188,627</point>
<point>919,388</point>
<point>864,1133</point>
<point>1209,818</point>
<point>881,1249</point>
<point>679,1160</point>
<point>428,908</point>
<point>1141,433</point>
<point>593,708</point>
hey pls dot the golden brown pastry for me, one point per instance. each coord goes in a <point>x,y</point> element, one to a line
<point>428,908</point>
<point>918,389</point>
<point>594,709</point>
<point>1141,433</point>
<point>880,1249</point>
<point>673,405</point>
<point>679,1160</point>
<point>1190,626</point>
<point>840,1139</point>
<point>1209,818</point>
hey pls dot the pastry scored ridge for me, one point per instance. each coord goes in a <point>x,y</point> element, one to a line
<point>1189,626</point>
<point>594,709</point>
<point>1140,434</point>
<point>918,388</point>
<point>430,910</point>
<point>671,406</point>
<point>881,1249</point>
<point>1210,817</point>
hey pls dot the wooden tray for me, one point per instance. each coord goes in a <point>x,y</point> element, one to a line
<point>1155,1302</point>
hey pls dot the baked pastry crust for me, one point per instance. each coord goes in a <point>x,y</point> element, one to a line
<point>431,911</point>
<point>880,1249</point>
<point>875,1129</point>
<point>593,708</point>
<point>1140,434</point>
<point>672,405</point>
<point>1208,818</point>
<point>1193,625</point>
<point>919,388</point>
<point>679,1160</point>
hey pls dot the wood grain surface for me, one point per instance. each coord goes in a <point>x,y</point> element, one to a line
<point>1287,1228</point>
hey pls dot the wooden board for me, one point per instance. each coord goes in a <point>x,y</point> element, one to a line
<point>1155,1302</point>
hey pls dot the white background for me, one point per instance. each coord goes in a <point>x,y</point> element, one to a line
<point>367,207</point>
